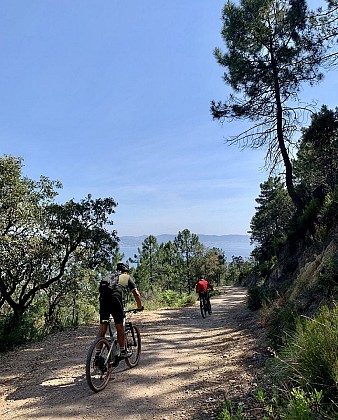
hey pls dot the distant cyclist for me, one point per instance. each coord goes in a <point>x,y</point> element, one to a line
<point>202,288</point>
<point>112,302</point>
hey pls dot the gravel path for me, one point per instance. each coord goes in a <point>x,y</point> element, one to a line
<point>188,367</point>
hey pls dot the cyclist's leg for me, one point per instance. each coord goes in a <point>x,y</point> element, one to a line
<point>104,320</point>
<point>118,315</point>
<point>102,329</point>
<point>208,302</point>
<point>202,304</point>
<point>120,335</point>
<point>209,306</point>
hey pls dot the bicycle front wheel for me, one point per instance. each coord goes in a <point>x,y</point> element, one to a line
<point>203,307</point>
<point>98,368</point>
<point>133,343</point>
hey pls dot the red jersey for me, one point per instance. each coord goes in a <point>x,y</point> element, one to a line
<point>202,286</point>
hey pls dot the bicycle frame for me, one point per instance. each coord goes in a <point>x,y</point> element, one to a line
<point>99,367</point>
<point>114,345</point>
<point>205,306</point>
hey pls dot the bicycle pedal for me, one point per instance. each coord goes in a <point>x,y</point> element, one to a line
<point>115,362</point>
<point>125,354</point>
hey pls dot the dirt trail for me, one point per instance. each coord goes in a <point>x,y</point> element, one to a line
<point>188,367</point>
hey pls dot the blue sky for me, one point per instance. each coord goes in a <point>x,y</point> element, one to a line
<point>112,98</point>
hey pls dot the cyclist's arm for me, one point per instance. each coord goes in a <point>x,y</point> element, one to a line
<point>133,288</point>
<point>137,298</point>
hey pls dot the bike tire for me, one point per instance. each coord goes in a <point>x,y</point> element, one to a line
<point>98,374</point>
<point>202,307</point>
<point>133,343</point>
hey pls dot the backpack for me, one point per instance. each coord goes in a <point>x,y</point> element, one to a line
<point>107,286</point>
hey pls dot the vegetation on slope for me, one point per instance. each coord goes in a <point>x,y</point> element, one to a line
<point>272,49</point>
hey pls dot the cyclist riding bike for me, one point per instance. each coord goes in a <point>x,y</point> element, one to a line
<point>202,288</point>
<point>112,303</point>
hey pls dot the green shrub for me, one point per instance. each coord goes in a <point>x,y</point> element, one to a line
<point>328,279</point>
<point>295,404</point>
<point>301,405</point>
<point>330,211</point>
<point>169,297</point>
<point>282,322</point>
<point>258,296</point>
<point>310,359</point>
<point>310,214</point>
<point>172,298</point>
<point>265,266</point>
<point>230,412</point>
<point>27,330</point>
<point>255,298</point>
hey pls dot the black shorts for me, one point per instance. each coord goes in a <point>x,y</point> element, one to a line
<point>111,306</point>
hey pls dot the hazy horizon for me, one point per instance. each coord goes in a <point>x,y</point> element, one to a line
<point>175,234</point>
<point>231,244</point>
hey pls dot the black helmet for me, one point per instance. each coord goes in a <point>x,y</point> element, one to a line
<point>122,267</point>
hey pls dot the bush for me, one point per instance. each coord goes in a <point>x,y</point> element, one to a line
<point>258,296</point>
<point>310,359</point>
<point>330,211</point>
<point>24,332</point>
<point>328,279</point>
<point>172,298</point>
<point>281,322</point>
<point>301,405</point>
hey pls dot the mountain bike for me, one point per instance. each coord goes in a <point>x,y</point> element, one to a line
<point>205,305</point>
<point>99,366</point>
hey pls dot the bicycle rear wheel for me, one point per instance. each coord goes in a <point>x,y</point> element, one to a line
<point>209,307</point>
<point>203,307</point>
<point>98,368</point>
<point>133,343</point>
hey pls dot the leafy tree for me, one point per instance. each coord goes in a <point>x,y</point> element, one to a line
<point>214,265</point>
<point>41,241</point>
<point>147,271</point>
<point>116,257</point>
<point>169,267</point>
<point>238,269</point>
<point>270,223</point>
<point>72,299</point>
<point>188,247</point>
<point>176,265</point>
<point>317,157</point>
<point>272,49</point>
<point>325,20</point>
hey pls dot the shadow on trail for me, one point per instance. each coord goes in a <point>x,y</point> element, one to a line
<point>172,340</point>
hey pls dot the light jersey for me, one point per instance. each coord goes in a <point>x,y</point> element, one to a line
<point>123,283</point>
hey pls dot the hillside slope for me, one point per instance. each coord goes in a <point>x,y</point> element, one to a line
<point>306,272</point>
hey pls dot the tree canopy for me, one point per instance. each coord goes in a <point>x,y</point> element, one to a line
<point>271,221</point>
<point>317,157</point>
<point>272,49</point>
<point>41,242</point>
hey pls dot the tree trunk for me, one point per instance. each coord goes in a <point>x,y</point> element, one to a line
<point>281,143</point>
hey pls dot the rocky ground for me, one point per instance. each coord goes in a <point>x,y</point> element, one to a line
<point>189,366</point>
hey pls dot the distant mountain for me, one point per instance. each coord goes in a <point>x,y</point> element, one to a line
<point>126,241</point>
<point>232,245</point>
